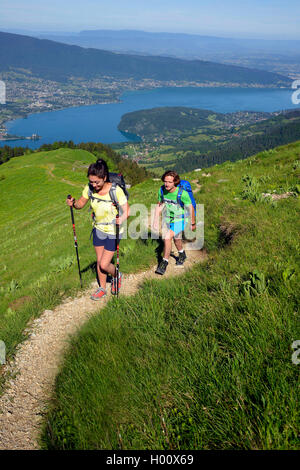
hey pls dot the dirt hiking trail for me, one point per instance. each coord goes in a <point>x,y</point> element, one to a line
<point>31,374</point>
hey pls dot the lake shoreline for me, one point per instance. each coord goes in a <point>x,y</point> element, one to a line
<point>138,100</point>
<point>173,85</point>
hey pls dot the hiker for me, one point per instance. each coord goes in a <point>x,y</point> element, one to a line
<point>173,217</point>
<point>105,219</point>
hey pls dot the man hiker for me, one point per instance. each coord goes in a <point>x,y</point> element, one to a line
<point>173,217</point>
<point>98,191</point>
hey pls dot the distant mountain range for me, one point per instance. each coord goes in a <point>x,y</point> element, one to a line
<point>258,53</point>
<point>53,60</point>
<point>171,43</point>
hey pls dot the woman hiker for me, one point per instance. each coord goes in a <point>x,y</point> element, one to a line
<point>173,218</point>
<point>105,220</point>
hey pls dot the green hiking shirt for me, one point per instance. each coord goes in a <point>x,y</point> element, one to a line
<point>173,211</point>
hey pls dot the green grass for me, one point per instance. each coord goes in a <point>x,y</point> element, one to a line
<point>38,266</point>
<point>197,138</point>
<point>203,362</point>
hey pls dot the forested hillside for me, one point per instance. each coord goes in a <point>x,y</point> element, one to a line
<point>187,138</point>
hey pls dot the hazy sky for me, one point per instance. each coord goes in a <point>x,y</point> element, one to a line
<point>235,18</point>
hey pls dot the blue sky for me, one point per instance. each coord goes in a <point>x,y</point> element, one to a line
<point>231,18</point>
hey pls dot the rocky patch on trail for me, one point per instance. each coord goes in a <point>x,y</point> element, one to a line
<point>277,197</point>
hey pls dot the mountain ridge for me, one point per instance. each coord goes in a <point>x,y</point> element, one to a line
<point>50,59</point>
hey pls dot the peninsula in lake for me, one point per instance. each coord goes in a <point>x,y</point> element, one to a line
<point>186,138</point>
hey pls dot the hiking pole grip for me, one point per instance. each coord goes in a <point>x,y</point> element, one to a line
<point>71,208</point>
<point>75,239</point>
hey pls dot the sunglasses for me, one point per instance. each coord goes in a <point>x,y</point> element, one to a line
<point>95,182</point>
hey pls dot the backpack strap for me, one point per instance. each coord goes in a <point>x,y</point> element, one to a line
<point>180,191</point>
<point>162,194</point>
<point>113,195</point>
<point>113,199</point>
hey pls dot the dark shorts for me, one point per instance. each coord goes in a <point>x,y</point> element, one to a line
<point>104,239</point>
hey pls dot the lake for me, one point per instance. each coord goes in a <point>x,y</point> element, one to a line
<point>98,123</point>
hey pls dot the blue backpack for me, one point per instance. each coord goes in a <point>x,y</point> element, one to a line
<point>183,186</point>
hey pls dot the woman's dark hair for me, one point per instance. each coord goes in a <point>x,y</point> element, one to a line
<point>99,169</point>
<point>171,173</point>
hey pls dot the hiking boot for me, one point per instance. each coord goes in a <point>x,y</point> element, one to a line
<point>181,259</point>
<point>114,284</point>
<point>99,294</point>
<point>161,269</point>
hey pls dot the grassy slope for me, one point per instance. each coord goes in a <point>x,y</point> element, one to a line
<point>38,264</point>
<point>203,363</point>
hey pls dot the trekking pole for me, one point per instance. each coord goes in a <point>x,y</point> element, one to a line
<point>75,240</point>
<point>118,242</point>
